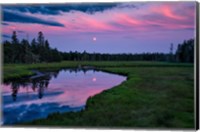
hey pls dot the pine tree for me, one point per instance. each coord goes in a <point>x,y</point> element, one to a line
<point>14,38</point>
<point>40,39</point>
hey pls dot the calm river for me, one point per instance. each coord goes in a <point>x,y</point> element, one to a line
<point>60,91</point>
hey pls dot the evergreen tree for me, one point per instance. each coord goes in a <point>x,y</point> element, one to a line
<point>40,39</point>
<point>14,38</point>
<point>34,46</point>
<point>40,51</point>
<point>185,51</point>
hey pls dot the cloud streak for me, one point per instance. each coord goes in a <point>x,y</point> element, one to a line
<point>6,36</point>
<point>5,24</point>
<point>56,9</point>
<point>22,18</point>
<point>120,17</point>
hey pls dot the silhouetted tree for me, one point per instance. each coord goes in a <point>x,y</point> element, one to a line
<point>14,38</point>
<point>15,88</point>
<point>171,55</point>
<point>185,51</point>
<point>40,39</point>
<point>40,51</point>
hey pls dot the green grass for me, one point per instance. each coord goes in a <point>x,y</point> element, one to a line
<point>156,95</point>
<point>13,71</point>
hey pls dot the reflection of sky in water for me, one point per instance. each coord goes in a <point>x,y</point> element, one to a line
<point>65,91</point>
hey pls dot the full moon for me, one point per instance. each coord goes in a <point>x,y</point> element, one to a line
<point>94,79</point>
<point>94,38</point>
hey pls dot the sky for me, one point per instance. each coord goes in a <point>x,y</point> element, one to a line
<point>127,27</point>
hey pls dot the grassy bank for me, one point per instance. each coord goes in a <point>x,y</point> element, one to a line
<point>156,94</point>
<point>12,71</point>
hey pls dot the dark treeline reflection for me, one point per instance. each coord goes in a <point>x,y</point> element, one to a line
<point>39,50</point>
<point>37,84</point>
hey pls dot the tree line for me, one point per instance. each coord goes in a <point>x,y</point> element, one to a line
<point>39,50</point>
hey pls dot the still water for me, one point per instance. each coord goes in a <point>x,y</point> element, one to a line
<point>59,91</point>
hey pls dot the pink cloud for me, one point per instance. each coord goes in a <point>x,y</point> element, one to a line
<point>167,10</point>
<point>151,18</point>
<point>128,20</point>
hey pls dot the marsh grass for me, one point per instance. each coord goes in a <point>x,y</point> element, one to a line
<point>155,95</point>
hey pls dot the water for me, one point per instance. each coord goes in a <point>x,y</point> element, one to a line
<point>59,91</point>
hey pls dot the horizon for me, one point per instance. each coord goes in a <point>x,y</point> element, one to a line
<point>115,28</point>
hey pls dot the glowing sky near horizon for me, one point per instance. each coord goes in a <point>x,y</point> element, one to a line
<point>106,28</point>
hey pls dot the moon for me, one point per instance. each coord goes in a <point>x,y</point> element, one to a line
<point>94,39</point>
<point>94,79</point>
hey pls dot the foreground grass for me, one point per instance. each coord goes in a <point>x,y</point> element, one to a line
<point>156,95</point>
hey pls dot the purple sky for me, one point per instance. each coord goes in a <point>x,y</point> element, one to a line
<point>106,28</point>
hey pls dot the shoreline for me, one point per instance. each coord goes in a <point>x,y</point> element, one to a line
<point>13,71</point>
<point>140,101</point>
